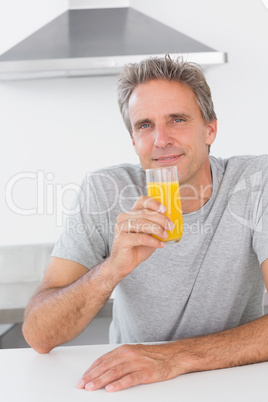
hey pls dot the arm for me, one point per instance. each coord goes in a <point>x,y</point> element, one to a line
<point>70,295</point>
<point>65,303</point>
<point>130,365</point>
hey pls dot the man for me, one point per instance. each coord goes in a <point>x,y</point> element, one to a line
<point>201,299</point>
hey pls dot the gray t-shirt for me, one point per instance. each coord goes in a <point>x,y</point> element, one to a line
<point>208,282</point>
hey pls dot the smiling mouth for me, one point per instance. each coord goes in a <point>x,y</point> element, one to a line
<point>167,158</point>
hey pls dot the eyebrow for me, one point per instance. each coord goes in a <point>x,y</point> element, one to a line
<point>179,115</point>
<point>139,123</point>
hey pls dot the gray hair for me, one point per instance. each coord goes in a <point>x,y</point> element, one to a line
<point>164,68</point>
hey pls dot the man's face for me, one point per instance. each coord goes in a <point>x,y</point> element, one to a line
<point>168,129</point>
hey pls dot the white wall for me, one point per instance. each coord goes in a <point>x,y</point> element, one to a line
<point>65,127</point>
<point>61,128</point>
<point>76,4</point>
<point>19,19</point>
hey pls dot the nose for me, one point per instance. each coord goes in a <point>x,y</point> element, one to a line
<point>162,137</point>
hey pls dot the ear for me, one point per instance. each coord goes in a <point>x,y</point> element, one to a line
<point>134,144</point>
<point>211,132</point>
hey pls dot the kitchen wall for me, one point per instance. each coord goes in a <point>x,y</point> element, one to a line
<point>76,4</point>
<point>19,19</point>
<point>55,130</point>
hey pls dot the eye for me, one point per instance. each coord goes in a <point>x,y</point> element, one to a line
<point>145,125</point>
<point>178,120</point>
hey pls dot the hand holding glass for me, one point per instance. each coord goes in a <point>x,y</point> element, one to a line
<point>163,185</point>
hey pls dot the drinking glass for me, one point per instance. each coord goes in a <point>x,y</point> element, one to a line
<point>163,185</point>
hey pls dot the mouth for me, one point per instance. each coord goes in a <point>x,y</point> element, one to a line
<point>167,159</point>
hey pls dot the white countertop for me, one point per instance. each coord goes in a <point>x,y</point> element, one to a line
<point>28,376</point>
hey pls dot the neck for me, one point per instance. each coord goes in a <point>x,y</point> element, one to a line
<point>195,195</point>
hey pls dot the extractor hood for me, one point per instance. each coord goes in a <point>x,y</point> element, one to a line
<point>98,41</point>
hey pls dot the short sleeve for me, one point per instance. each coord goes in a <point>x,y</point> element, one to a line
<point>81,239</point>
<point>259,195</point>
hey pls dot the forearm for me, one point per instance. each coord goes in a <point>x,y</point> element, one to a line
<point>243,345</point>
<point>56,315</point>
<point>129,365</point>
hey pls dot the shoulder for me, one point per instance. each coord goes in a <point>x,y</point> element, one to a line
<point>245,172</point>
<point>124,169</point>
<point>241,163</point>
<point>124,172</point>
<point>115,178</point>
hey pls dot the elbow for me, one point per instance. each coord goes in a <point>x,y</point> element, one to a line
<point>41,350</point>
<point>34,342</point>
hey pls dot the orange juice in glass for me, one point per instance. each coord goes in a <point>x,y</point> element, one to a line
<point>163,185</point>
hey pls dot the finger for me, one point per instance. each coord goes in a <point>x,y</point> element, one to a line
<point>140,239</point>
<point>141,226</point>
<point>149,203</point>
<point>130,380</point>
<point>115,353</point>
<point>112,375</point>
<point>149,215</point>
<point>112,354</point>
<point>103,364</point>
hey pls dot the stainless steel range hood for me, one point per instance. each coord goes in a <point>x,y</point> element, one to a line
<point>98,41</point>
